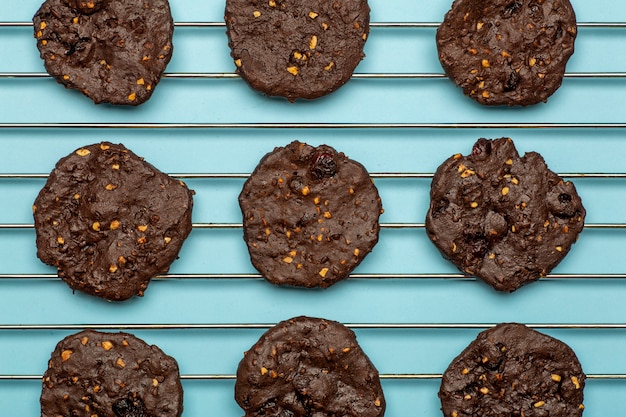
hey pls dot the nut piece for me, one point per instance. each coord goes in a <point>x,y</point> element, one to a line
<point>65,355</point>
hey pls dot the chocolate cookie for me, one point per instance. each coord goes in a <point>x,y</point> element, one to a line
<point>504,218</point>
<point>113,51</point>
<point>511,370</point>
<point>310,215</point>
<point>507,52</point>
<point>109,221</point>
<point>297,49</point>
<point>308,367</point>
<point>110,375</point>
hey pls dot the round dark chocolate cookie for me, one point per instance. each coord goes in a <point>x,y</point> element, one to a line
<point>109,221</point>
<point>310,215</point>
<point>308,367</point>
<point>511,370</point>
<point>507,52</point>
<point>503,218</point>
<point>110,375</point>
<point>113,51</point>
<point>298,48</point>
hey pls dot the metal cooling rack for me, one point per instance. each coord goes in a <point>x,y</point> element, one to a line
<point>10,329</point>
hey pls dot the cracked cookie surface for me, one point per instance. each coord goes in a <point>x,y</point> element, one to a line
<point>110,375</point>
<point>513,370</point>
<point>113,51</point>
<point>507,52</point>
<point>506,219</point>
<point>299,48</point>
<point>109,221</point>
<point>308,366</point>
<point>310,215</point>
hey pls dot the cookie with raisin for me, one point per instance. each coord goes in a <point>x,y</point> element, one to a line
<point>110,375</point>
<point>113,51</point>
<point>310,215</point>
<point>308,366</point>
<point>110,221</point>
<point>297,49</point>
<point>513,370</point>
<point>507,52</point>
<point>505,218</point>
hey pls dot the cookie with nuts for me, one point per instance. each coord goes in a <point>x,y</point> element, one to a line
<point>110,375</point>
<point>110,221</point>
<point>508,220</point>
<point>113,51</point>
<point>308,366</point>
<point>512,370</point>
<point>310,215</point>
<point>297,49</point>
<point>507,52</point>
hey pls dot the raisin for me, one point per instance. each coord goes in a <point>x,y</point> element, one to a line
<point>562,204</point>
<point>564,198</point>
<point>440,207</point>
<point>77,46</point>
<point>476,243</point>
<point>324,165</point>
<point>130,407</point>
<point>481,149</point>
<point>511,8</point>
<point>306,402</point>
<point>493,366</point>
<point>536,12</point>
<point>511,82</point>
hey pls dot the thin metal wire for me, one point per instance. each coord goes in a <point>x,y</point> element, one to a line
<point>232,75</point>
<point>222,377</point>
<point>338,125</point>
<point>384,25</point>
<point>382,225</point>
<point>374,276</point>
<point>375,175</point>
<point>265,326</point>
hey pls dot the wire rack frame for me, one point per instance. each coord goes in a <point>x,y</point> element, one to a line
<point>239,326</point>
